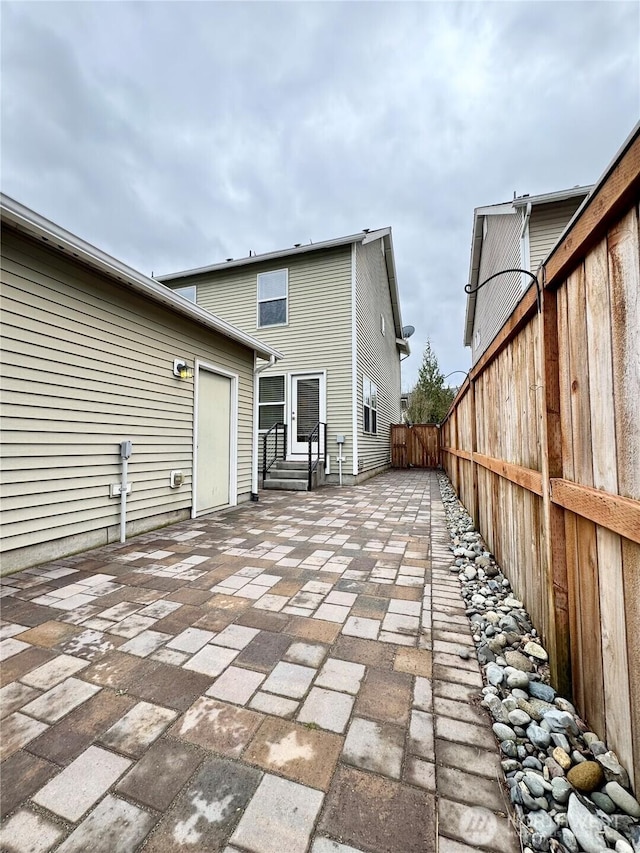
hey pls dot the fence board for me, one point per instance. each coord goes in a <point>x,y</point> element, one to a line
<point>415,446</point>
<point>543,447</point>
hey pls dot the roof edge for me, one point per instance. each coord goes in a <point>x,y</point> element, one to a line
<point>360,237</point>
<point>15,214</point>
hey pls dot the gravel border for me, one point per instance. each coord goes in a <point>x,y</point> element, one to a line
<point>570,793</point>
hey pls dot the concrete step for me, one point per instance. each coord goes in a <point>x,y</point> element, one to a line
<point>287,473</point>
<point>288,485</point>
<point>291,464</point>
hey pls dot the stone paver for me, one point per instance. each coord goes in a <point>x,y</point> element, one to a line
<point>267,679</point>
<point>28,831</point>
<point>138,729</point>
<point>300,753</point>
<point>82,783</point>
<point>279,817</point>
<point>114,826</point>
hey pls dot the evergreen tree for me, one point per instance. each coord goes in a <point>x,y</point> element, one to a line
<point>430,398</point>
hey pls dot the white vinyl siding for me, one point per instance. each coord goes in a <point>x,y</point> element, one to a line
<point>86,364</point>
<point>318,332</point>
<point>496,300</point>
<point>546,225</point>
<point>378,359</point>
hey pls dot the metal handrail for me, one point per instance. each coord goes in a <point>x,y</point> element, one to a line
<point>276,427</point>
<point>313,465</point>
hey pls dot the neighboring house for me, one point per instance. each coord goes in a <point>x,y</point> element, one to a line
<point>89,351</point>
<point>333,310</point>
<point>518,234</point>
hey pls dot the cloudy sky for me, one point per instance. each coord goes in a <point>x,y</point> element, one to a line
<point>175,135</point>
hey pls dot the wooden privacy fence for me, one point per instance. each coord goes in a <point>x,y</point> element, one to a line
<point>415,446</point>
<point>542,444</point>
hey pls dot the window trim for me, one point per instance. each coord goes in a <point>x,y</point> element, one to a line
<point>370,391</point>
<point>262,430</point>
<point>275,299</point>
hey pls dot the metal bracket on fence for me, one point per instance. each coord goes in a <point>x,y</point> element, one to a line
<point>469,289</point>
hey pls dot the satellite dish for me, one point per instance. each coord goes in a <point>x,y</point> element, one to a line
<point>407,331</point>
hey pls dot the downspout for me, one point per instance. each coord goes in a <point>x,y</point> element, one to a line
<point>254,461</point>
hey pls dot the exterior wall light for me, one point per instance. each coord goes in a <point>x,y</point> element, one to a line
<point>181,369</point>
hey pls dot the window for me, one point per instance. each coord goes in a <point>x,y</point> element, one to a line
<point>369,405</point>
<point>270,401</point>
<point>186,292</point>
<point>272,298</point>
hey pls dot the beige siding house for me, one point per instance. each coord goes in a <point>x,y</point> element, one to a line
<point>515,235</point>
<point>89,352</point>
<point>333,310</point>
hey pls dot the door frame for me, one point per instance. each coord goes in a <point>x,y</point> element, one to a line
<point>304,374</point>
<point>233,432</point>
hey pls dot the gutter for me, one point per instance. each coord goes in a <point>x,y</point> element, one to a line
<point>27,221</point>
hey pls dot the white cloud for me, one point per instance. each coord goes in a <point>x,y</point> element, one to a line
<point>178,134</point>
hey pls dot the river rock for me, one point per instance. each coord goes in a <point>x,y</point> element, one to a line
<point>597,748</point>
<point>588,830</point>
<point>535,708</point>
<point>560,740</point>
<point>518,661</point>
<point>542,691</point>
<point>534,784</point>
<point>509,748</point>
<point>560,721</point>
<point>517,678</point>
<point>569,841</point>
<point>563,704</point>
<point>561,757</point>
<point>503,732</point>
<point>539,737</point>
<point>512,602</point>
<point>542,823</point>
<point>586,777</point>
<point>560,790</point>
<point>519,718</point>
<point>623,846</point>
<point>603,802</point>
<point>613,770</point>
<point>536,651</point>
<point>623,799</point>
<point>495,674</point>
<point>496,708</point>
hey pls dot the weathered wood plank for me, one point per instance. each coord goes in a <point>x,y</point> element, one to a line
<point>624,276</point>
<point>620,515</point>
<point>589,595</point>
<point>525,477</point>
<point>616,194</point>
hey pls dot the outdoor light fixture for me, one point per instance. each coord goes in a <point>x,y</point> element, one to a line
<point>181,369</point>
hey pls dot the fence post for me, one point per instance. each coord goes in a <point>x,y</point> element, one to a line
<point>553,515</point>
<point>474,449</point>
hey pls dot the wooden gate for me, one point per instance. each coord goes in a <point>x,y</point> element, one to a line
<point>415,446</point>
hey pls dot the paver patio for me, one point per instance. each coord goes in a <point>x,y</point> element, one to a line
<point>280,678</point>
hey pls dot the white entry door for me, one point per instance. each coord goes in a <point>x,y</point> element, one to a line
<point>213,441</point>
<point>307,408</point>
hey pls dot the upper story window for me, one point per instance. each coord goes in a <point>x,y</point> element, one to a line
<point>272,298</point>
<point>369,405</point>
<point>186,292</point>
<point>270,401</point>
